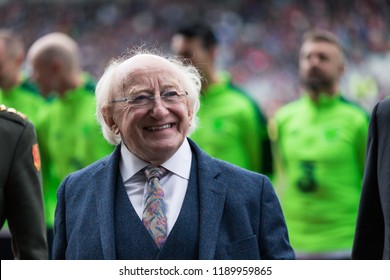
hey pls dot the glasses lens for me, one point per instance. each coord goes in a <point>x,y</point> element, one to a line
<point>142,99</point>
<point>171,96</point>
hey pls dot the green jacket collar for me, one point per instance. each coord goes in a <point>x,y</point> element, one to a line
<point>221,86</point>
<point>324,100</point>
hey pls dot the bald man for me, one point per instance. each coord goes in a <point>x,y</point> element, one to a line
<point>69,135</point>
<point>56,65</point>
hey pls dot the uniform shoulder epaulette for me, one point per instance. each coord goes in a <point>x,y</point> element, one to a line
<point>11,112</point>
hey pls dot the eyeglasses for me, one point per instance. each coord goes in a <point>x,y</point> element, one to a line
<point>144,99</point>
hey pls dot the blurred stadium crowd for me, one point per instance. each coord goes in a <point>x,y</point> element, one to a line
<point>259,40</point>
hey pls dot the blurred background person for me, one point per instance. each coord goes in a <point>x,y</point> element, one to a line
<point>372,235</point>
<point>231,125</point>
<point>21,200</point>
<point>69,134</point>
<point>320,143</point>
<point>15,90</point>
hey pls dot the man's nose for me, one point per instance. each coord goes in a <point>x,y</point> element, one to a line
<point>314,60</point>
<point>158,108</point>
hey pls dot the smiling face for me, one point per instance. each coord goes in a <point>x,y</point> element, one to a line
<point>156,131</point>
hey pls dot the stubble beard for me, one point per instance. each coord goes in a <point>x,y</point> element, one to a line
<point>316,84</point>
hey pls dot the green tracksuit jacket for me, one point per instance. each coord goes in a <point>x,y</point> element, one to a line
<point>320,152</point>
<point>232,127</point>
<point>70,139</point>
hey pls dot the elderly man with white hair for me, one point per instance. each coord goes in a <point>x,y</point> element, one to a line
<point>158,195</point>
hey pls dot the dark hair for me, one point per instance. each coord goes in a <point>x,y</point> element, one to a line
<point>201,30</point>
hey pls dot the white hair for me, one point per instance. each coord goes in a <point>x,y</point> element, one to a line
<point>189,77</point>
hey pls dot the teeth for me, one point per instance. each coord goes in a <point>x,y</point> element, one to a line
<point>153,128</point>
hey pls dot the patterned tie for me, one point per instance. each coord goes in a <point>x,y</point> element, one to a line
<point>153,216</point>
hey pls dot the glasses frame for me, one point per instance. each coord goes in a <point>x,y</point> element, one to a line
<point>150,99</point>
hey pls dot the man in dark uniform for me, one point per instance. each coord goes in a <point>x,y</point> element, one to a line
<point>21,201</point>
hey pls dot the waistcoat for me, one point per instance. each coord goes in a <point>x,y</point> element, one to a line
<point>133,242</point>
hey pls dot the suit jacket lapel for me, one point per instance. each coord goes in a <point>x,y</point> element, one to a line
<point>105,180</point>
<point>212,194</point>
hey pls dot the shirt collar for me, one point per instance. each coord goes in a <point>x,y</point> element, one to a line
<point>179,163</point>
<point>324,99</point>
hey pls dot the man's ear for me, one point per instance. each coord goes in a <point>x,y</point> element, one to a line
<point>106,112</point>
<point>342,68</point>
<point>190,115</point>
<point>20,59</point>
<point>213,51</point>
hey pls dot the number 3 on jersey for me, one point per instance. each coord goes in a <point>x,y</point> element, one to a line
<point>307,182</point>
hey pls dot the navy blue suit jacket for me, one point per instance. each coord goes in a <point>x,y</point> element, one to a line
<point>240,215</point>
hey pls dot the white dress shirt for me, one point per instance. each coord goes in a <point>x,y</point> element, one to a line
<point>174,183</point>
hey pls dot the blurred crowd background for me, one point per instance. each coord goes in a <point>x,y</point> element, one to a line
<point>259,39</point>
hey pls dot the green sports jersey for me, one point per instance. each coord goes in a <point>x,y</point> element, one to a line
<point>26,99</point>
<point>232,128</point>
<point>70,139</point>
<point>321,151</point>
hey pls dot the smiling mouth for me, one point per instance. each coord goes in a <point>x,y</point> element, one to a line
<point>154,128</point>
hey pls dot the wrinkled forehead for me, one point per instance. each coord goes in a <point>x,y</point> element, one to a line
<point>142,69</point>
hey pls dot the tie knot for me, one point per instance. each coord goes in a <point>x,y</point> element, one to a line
<point>154,172</point>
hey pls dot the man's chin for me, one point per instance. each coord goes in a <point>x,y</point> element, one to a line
<point>164,146</point>
<point>316,85</point>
